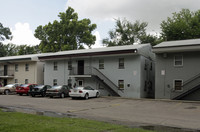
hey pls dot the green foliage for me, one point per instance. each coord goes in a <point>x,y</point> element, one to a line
<point>13,50</point>
<point>4,33</point>
<point>127,33</point>
<point>19,122</point>
<point>67,34</point>
<point>182,25</point>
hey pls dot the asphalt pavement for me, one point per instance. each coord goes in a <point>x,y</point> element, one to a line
<point>132,112</point>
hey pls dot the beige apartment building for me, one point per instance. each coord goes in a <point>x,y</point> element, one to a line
<point>21,69</point>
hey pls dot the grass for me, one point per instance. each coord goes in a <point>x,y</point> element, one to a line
<point>21,122</point>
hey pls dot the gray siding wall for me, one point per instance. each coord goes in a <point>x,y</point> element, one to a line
<point>60,74</point>
<point>165,83</point>
<point>133,74</point>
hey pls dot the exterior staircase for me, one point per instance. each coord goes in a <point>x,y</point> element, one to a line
<point>100,77</point>
<point>189,86</point>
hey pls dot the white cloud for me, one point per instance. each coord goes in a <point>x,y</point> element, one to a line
<point>151,11</point>
<point>22,34</point>
<point>98,42</point>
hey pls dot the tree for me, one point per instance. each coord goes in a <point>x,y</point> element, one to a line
<point>4,34</point>
<point>182,25</point>
<point>126,33</point>
<point>67,34</point>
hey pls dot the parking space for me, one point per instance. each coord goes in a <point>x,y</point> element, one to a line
<point>123,111</point>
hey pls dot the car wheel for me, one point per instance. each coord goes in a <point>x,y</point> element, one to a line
<point>27,94</point>
<point>6,92</point>
<point>62,95</point>
<point>43,94</point>
<point>20,94</point>
<point>97,95</point>
<point>51,96</point>
<point>33,95</point>
<point>86,96</point>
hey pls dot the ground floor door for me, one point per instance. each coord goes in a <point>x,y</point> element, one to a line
<point>5,82</point>
<point>5,70</point>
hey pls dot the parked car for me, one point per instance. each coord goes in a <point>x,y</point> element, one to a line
<point>60,91</point>
<point>83,92</point>
<point>39,90</point>
<point>23,89</point>
<point>9,88</point>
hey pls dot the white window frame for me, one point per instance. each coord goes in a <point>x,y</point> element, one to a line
<point>101,63</point>
<point>69,63</point>
<point>55,82</point>
<point>26,81</point>
<point>120,66</point>
<point>119,84</point>
<point>16,67</point>
<point>16,80</point>
<point>178,60</point>
<point>26,67</point>
<point>174,84</point>
<point>82,83</point>
<point>55,65</point>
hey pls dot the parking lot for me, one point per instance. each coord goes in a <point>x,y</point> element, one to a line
<point>130,112</point>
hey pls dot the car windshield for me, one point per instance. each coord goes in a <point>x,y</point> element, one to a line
<point>56,87</point>
<point>24,85</point>
<point>39,86</point>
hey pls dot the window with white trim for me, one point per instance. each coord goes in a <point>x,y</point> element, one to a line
<point>178,60</point>
<point>55,82</point>
<point>16,80</point>
<point>55,66</point>
<point>80,83</point>
<point>16,67</point>
<point>101,64</point>
<point>178,85</point>
<point>69,65</point>
<point>26,67</point>
<point>26,81</point>
<point>121,63</point>
<point>121,84</point>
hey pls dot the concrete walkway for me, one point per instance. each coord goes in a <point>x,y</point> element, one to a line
<point>132,112</point>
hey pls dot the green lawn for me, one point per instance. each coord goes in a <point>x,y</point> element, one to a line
<point>21,122</point>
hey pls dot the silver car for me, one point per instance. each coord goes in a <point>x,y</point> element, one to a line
<point>9,88</point>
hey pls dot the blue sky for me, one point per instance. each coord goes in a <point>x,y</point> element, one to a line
<point>23,16</point>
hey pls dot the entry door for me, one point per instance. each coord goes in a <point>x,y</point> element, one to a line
<point>5,82</point>
<point>5,70</point>
<point>81,67</point>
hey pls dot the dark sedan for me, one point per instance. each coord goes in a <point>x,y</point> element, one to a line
<point>39,90</point>
<point>60,91</point>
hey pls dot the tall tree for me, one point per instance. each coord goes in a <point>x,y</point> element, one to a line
<point>5,33</point>
<point>126,33</point>
<point>67,34</point>
<point>182,25</point>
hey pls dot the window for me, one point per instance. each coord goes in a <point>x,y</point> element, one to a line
<point>55,82</point>
<point>55,66</point>
<point>101,64</point>
<point>16,80</point>
<point>26,81</point>
<point>26,67</point>
<point>178,84</point>
<point>178,60</point>
<point>69,65</point>
<point>121,63</point>
<point>16,67</point>
<point>80,83</point>
<point>121,84</point>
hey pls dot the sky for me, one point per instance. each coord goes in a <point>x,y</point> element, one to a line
<point>24,16</point>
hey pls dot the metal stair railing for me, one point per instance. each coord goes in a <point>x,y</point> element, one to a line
<point>105,79</point>
<point>187,87</point>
